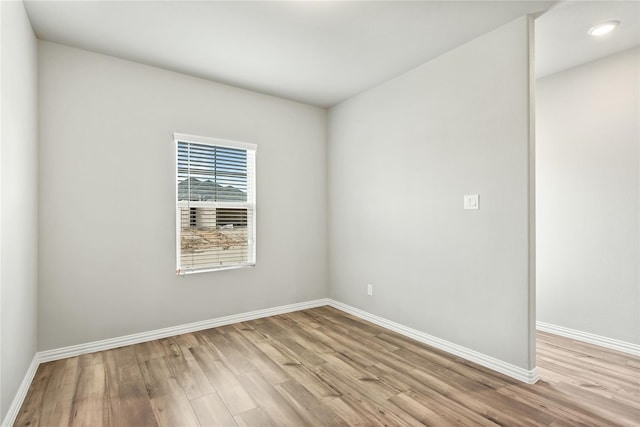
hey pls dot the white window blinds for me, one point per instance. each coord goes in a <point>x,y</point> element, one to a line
<point>215,204</point>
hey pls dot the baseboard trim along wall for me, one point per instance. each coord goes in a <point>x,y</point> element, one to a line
<point>610,343</point>
<point>111,343</point>
<point>12,413</point>
<point>516,372</point>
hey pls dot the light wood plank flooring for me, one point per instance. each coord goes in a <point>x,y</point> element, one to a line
<point>322,367</point>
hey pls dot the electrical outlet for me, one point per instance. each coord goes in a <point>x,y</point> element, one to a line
<point>370,290</point>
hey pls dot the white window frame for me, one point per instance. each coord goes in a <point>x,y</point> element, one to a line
<point>250,204</point>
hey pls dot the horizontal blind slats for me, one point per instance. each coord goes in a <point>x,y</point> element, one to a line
<point>213,232</point>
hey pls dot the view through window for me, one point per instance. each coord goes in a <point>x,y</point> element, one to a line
<point>215,204</point>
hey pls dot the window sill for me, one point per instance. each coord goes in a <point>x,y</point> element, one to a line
<point>207,270</point>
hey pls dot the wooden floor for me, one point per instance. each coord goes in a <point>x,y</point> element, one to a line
<point>322,367</point>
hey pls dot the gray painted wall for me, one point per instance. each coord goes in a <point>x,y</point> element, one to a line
<point>588,183</point>
<point>107,198</point>
<point>18,199</point>
<point>401,157</point>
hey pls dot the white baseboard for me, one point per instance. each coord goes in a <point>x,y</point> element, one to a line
<point>516,372</point>
<point>16,404</point>
<point>111,343</point>
<point>610,343</point>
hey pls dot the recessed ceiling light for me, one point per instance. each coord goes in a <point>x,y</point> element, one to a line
<point>604,28</point>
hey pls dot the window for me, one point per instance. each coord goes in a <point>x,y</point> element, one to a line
<point>215,204</point>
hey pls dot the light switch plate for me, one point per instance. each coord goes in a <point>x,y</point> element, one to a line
<point>472,201</point>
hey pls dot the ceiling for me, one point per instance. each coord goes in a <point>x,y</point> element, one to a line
<point>316,52</point>
<point>561,34</point>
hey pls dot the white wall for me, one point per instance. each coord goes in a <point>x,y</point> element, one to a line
<point>107,198</point>
<point>401,157</point>
<point>18,199</point>
<point>588,133</point>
